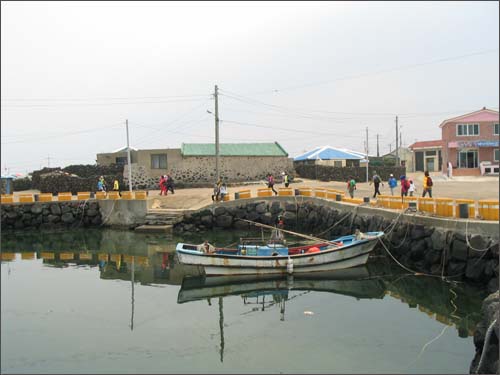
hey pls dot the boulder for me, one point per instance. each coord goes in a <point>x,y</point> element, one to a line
<point>275,207</point>
<point>53,218</point>
<point>36,209</point>
<point>417,232</point>
<point>459,250</point>
<point>207,220</point>
<point>219,210</point>
<point>55,209</point>
<point>475,269</point>
<point>224,221</point>
<point>261,208</point>
<point>478,242</point>
<point>67,218</point>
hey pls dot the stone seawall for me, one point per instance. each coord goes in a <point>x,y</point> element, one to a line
<point>423,244</point>
<point>50,215</point>
<point>486,338</point>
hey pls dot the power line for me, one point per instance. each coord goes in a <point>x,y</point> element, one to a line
<point>190,111</point>
<point>34,106</point>
<point>59,135</point>
<point>390,70</point>
<point>287,129</point>
<point>105,98</point>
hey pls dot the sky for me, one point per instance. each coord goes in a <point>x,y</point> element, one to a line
<point>303,74</point>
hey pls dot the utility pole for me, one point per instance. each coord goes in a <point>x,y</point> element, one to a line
<point>397,131</point>
<point>378,153</point>
<point>48,161</point>
<point>128,160</point>
<point>367,154</point>
<point>390,148</point>
<point>216,95</point>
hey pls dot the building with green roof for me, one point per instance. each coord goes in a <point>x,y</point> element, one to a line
<point>194,163</point>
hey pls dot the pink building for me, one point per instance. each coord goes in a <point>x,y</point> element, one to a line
<point>470,143</point>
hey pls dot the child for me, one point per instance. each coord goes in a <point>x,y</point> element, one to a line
<point>412,188</point>
<point>223,192</point>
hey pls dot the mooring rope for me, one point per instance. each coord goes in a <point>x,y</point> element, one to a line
<point>485,345</point>
<point>442,331</point>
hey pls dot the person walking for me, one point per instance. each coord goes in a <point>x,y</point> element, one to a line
<point>270,183</point>
<point>215,195</point>
<point>392,182</point>
<point>170,183</point>
<point>351,186</point>
<point>405,186</point>
<point>412,188</point>
<point>163,186</point>
<point>427,185</point>
<point>116,187</point>
<point>100,184</point>
<point>376,183</point>
<point>286,179</point>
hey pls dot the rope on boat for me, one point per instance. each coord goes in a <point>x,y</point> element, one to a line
<point>291,232</point>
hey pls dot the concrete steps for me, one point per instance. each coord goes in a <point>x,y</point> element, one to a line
<point>161,220</point>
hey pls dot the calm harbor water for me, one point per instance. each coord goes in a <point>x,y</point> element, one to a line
<point>117,302</point>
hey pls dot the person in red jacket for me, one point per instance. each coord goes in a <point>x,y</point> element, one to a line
<point>163,185</point>
<point>405,186</point>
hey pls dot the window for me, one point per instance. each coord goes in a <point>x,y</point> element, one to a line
<point>467,129</point>
<point>496,130</point>
<point>467,159</point>
<point>496,154</point>
<point>337,163</point>
<point>158,161</point>
<point>121,160</point>
<point>430,153</point>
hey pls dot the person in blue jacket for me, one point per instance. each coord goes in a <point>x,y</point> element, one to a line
<point>392,183</point>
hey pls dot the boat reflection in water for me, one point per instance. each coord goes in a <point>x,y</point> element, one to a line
<point>352,282</point>
<point>254,290</point>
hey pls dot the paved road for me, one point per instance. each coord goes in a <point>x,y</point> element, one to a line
<point>466,187</point>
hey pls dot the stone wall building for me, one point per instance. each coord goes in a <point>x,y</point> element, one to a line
<point>194,163</point>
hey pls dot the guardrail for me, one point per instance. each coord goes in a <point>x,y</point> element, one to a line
<point>67,196</point>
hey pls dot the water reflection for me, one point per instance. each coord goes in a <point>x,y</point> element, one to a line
<point>150,260</point>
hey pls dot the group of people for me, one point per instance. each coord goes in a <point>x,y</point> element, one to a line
<point>220,191</point>
<point>166,184</point>
<point>407,185</point>
<point>101,185</point>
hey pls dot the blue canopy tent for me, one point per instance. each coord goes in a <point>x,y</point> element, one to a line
<point>329,153</point>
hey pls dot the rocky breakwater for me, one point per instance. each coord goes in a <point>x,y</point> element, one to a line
<point>417,244</point>
<point>50,215</point>
<point>486,338</point>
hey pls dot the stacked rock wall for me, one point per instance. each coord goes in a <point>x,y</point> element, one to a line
<point>50,215</point>
<point>329,173</point>
<point>75,178</point>
<point>421,248</point>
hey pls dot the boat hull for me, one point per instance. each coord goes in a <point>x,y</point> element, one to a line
<point>349,256</point>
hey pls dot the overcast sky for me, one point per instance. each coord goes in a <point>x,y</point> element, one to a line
<point>302,74</point>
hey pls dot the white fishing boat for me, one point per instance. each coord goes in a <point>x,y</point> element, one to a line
<point>276,258</point>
